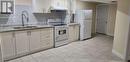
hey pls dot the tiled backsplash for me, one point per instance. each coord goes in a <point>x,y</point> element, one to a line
<point>40,18</point>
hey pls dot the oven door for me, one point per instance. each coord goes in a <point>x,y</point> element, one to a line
<point>61,34</point>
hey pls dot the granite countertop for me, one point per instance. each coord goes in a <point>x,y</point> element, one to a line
<point>71,24</point>
<point>10,29</point>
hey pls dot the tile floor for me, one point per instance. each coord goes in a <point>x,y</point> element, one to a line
<point>97,49</point>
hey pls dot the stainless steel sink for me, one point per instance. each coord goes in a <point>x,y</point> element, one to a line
<point>24,27</point>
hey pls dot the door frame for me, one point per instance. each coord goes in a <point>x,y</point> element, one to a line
<point>127,49</point>
<point>97,17</point>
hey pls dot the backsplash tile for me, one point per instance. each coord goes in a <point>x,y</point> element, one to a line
<point>40,18</point>
<point>16,19</point>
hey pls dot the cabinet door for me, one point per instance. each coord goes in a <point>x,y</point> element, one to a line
<point>8,45</point>
<point>60,3</point>
<point>47,38</point>
<point>41,6</point>
<point>73,6</point>
<point>22,42</point>
<point>76,29</point>
<point>71,33</point>
<point>74,33</point>
<point>66,3</point>
<point>35,40</point>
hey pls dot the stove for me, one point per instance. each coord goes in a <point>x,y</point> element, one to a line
<point>61,35</point>
<point>61,32</point>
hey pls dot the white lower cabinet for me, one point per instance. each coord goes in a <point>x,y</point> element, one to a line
<point>73,33</point>
<point>7,45</point>
<point>34,40</point>
<point>46,38</point>
<point>19,43</point>
<point>41,39</point>
<point>22,42</point>
<point>77,28</point>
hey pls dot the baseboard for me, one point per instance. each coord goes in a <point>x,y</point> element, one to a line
<point>110,34</point>
<point>118,54</point>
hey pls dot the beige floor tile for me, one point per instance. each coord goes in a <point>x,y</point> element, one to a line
<point>97,49</point>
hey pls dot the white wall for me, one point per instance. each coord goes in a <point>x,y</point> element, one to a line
<point>23,2</point>
<point>121,28</point>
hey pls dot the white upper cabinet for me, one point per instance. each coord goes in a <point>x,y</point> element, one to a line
<point>44,6</point>
<point>72,6</point>
<point>41,6</point>
<point>60,3</point>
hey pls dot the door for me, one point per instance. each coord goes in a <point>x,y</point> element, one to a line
<point>8,45</point>
<point>22,42</point>
<point>102,16</point>
<point>111,19</point>
<point>35,40</point>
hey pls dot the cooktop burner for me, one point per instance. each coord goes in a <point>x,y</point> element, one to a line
<point>59,24</point>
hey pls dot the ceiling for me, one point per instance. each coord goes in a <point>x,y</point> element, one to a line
<point>100,1</point>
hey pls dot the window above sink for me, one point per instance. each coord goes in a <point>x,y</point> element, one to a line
<point>7,7</point>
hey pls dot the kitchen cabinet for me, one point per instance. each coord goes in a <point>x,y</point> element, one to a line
<point>45,6</point>
<point>47,40</point>
<point>60,3</point>
<point>77,28</point>
<point>73,6</point>
<point>22,42</point>
<point>18,43</point>
<point>34,37</point>
<point>7,45</point>
<point>41,39</point>
<point>41,6</point>
<point>73,33</point>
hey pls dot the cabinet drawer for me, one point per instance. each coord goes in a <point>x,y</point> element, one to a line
<point>45,36</point>
<point>45,32</point>
<point>47,43</point>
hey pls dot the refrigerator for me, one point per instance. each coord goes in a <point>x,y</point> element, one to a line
<point>84,18</point>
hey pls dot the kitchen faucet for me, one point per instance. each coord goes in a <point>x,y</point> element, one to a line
<point>26,16</point>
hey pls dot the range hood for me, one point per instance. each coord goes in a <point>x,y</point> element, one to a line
<point>58,9</point>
